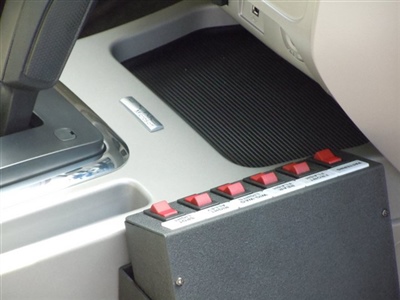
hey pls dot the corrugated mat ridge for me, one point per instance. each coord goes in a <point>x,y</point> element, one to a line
<point>251,105</point>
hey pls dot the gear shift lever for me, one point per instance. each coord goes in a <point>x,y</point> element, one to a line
<point>36,39</point>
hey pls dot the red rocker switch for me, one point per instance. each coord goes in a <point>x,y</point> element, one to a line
<point>163,209</point>
<point>265,178</point>
<point>199,200</point>
<point>326,156</point>
<point>297,168</point>
<point>232,189</point>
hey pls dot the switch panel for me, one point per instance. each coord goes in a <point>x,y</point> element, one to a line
<point>320,226</point>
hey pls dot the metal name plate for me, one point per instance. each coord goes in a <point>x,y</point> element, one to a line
<point>143,115</point>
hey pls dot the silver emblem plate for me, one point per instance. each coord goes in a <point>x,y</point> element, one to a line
<point>142,114</point>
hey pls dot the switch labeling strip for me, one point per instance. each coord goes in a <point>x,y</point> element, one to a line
<point>264,195</point>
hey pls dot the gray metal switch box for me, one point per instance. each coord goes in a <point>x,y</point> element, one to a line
<point>331,240</point>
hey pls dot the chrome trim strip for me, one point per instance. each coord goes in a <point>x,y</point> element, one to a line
<point>115,155</point>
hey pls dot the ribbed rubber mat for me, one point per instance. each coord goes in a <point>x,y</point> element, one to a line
<point>250,104</point>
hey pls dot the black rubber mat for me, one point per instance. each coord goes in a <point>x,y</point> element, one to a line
<point>251,105</point>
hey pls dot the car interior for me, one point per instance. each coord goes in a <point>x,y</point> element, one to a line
<point>199,149</point>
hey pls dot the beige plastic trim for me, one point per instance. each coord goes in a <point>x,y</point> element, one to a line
<point>292,10</point>
<point>356,50</point>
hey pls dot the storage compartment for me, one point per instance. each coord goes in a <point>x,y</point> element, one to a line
<point>92,207</point>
